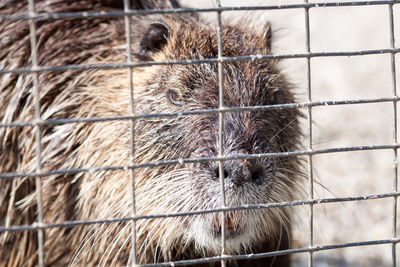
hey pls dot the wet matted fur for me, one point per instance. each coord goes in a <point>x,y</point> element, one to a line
<point>76,93</point>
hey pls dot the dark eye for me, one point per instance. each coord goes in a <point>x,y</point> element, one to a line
<point>175,98</point>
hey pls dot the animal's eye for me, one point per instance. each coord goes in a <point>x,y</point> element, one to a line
<point>175,98</point>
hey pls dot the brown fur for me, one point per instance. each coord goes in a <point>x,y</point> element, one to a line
<point>104,93</point>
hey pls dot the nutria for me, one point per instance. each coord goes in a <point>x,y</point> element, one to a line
<point>78,93</point>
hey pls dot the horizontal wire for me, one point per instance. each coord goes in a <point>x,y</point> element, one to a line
<point>201,111</point>
<point>104,14</point>
<point>274,253</point>
<point>36,226</point>
<point>200,61</point>
<point>10,175</point>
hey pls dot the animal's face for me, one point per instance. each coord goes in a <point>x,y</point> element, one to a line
<point>195,186</point>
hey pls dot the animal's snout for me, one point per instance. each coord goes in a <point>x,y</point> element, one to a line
<point>241,171</point>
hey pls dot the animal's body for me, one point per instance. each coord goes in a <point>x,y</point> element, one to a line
<point>77,93</point>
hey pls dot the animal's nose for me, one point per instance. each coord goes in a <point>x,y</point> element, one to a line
<point>241,171</point>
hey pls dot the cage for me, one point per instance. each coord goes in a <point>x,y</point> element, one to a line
<point>341,57</point>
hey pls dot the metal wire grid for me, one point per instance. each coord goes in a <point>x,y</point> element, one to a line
<point>36,88</point>
<point>130,65</point>
<point>309,134</point>
<point>132,258</point>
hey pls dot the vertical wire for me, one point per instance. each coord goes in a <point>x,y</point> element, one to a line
<point>221,131</point>
<point>395,141</point>
<point>309,139</point>
<point>132,258</point>
<point>36,94</point>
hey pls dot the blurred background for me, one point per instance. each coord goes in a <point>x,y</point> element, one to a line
<point>346,174</point>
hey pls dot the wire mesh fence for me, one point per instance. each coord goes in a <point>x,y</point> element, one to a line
<point>308,106</point>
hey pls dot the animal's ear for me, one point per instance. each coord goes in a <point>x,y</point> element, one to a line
<point>154,38</point>
<point>265,38</point>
